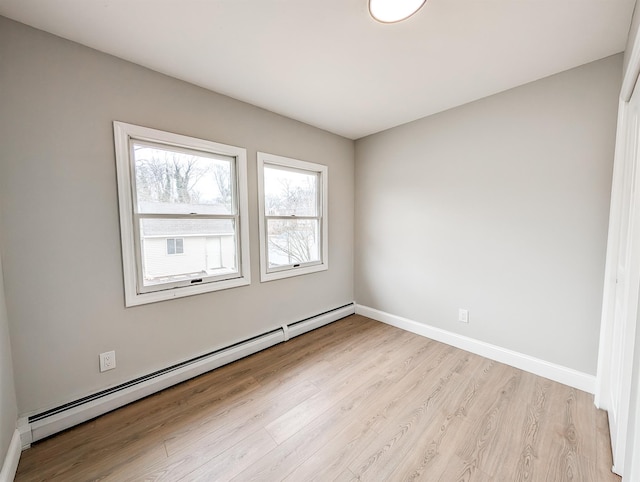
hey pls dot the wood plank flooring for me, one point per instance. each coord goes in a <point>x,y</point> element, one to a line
<point>354,400</point>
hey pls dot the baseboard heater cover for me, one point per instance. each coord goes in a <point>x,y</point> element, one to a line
<point>49,422</point>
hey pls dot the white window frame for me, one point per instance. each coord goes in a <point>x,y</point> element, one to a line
<point>129,227</point>
<point>270,274</point>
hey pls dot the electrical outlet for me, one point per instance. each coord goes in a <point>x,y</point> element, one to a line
<point>107,361</point>
<point>463,315</point>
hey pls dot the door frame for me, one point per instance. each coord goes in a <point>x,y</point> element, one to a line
<point>624,436</point>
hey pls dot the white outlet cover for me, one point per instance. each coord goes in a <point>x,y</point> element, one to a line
<point>107,361</point>
<point>463,316</point>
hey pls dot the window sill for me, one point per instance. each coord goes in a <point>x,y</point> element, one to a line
<point>136,299</point>
<point>288,273</point>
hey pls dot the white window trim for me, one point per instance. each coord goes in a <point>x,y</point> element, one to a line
<point>323,171</point>
<point>123,133</point>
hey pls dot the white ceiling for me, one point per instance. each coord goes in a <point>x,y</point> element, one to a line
<point>327,63</point>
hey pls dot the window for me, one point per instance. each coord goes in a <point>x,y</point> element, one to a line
<point>293,217</point>
<point>175,246</point>
<point>180,196</point>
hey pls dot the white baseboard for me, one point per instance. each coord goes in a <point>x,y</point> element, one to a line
<point>10,465</point>
<point>51,424</point>
<point>557,373</point>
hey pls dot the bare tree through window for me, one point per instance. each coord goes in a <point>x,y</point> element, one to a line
<point>165,176</point>
<point>291,201</point>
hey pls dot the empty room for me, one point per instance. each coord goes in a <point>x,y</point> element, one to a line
<point>342,240</point>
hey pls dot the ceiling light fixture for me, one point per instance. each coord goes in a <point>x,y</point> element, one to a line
<point>391,11</point>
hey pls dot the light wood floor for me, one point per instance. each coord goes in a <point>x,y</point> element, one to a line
<point>355,400</point>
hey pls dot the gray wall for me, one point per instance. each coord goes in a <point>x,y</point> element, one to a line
<point>500,207</point>
<point>60,231</point>
<point>8,408</point>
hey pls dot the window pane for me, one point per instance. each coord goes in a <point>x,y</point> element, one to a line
<point>207,247</point>
<point>171,246</point>
<point>289,192</point>
<point>182,181</point>
<point>292,241</point>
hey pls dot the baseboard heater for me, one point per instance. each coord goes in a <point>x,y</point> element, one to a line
<point>54,420</point>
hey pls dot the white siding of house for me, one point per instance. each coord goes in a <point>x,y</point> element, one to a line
<point>221,252</point>
<point>214,253</point>
<point>201,253</point>
<point>227,244</point>
<point>159,263</point>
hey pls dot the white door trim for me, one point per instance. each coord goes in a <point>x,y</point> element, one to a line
<point>617,374</point>
<point>603,386</point>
